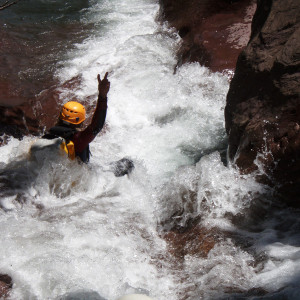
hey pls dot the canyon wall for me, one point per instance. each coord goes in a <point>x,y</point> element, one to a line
<point>263,109</point>
<point>213,32</point>
<point>262,112</point>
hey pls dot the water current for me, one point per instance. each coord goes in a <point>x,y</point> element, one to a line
<point>72,231</point>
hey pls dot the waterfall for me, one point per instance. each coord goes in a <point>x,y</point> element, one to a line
<point>71,231</point>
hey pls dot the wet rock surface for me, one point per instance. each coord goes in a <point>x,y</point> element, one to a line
<point>263,111</point>
<point>213,32</point>
<point>36,114</point>
<point>192,240</point>
<point>5,285</point>
<point>31,117</point>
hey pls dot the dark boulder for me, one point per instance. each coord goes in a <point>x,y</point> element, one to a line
<point>262,113</point>
<point>5,285</point>
<point>192,240</point>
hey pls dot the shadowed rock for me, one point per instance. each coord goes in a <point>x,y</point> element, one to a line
<point>263,111</point>
<point>5,285</point>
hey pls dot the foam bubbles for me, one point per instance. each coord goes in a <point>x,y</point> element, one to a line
<point>71,230</point>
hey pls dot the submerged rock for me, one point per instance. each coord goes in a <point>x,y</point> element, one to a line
<point>263,112</point>
<point>192,240</point>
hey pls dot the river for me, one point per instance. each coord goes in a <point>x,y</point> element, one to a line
<point>72,231</point>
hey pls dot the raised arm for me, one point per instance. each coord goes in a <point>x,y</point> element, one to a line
<point>81,139</point>
<point>100,112</point>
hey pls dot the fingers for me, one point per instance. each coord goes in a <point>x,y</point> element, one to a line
<point>99,78</point>
<point>104,82</point>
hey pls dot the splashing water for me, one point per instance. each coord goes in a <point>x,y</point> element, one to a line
<point>71,231</point>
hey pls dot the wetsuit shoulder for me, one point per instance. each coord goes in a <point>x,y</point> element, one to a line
<point>62,131</point>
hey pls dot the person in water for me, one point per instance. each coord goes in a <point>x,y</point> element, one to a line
<point>76,142</point>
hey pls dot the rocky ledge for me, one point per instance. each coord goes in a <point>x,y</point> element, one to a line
<point>263,108</point>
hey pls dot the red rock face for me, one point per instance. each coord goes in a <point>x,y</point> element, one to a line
<point>263,108</point>
<point>36,113</point>
<point>194,240</point>
<point>23,108</point>
<point>213,31</point>
<point>31,116</point>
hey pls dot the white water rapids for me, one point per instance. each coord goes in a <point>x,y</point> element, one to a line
<point>72,231</point>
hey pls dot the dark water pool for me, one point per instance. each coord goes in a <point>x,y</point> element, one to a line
<point>35,35</point>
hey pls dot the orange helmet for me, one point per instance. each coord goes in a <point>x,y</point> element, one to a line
<point>72,112</point>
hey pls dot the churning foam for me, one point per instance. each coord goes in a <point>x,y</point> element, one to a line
<point>77,231</point>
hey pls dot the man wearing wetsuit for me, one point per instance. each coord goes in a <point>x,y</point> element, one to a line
<point>76,143</point>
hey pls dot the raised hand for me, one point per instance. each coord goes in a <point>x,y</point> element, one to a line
<point>103,85</point>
